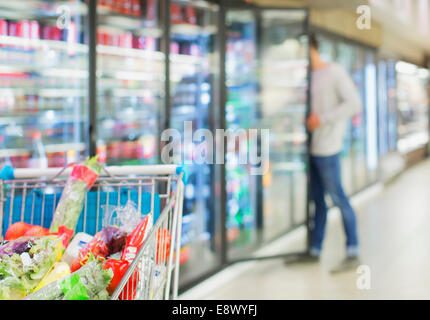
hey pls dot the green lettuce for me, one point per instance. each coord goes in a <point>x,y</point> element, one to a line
<point>21,273</point>
<point>87,283</point>
<point>72,199</point>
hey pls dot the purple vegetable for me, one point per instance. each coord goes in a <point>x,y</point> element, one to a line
<point>114,238</point>
<point>17,246</point>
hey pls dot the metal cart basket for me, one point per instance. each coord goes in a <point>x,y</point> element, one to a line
<point>32,195</point>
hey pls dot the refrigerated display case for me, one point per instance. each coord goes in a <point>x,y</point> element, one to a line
<point>359,125</point>
<point>383,136</point>
<point>412,107</point>
<point>345,57</point>
<point>392,105</point>
<point>43,81</point>
<point>193,60</point>
<point>371,119</point>
<point>327,49</point>
<point>262,45</point>
<point>282,109</point>
<point>359,155</point>
<point>130,81</point>
<point>240,114</point>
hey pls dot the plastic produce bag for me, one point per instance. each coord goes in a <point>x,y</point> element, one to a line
<point>106,242</point>
<point>88,283</point>
<point>80,241</point>
<point>24,262</point>
<point>60,270</point>
<point>125,217</point>
<point>72,198</point>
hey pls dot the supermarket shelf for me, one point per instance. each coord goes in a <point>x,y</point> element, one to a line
<point>13,152</point>
<point>130,75</point>
<point>41,44</point>
<point>187,29</point>
<point>288,166</point>
<point>7,120</point>
<point>50,148</point>
<point>198,4</point>
<point>130,52</point>
<point>45,71</point>
<point>64,147</point>
<point>37,9</point>
<point>185,59</point>
<point>47,93</point>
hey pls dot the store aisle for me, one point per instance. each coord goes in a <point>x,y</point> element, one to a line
<point>395,239</point>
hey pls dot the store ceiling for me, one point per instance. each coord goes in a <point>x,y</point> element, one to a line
<point>334,4</point>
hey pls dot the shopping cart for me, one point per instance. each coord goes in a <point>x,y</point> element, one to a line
<point>33,194</point>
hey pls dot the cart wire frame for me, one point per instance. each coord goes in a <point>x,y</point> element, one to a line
<point>149,275</point>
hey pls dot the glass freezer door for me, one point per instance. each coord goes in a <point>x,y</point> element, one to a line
<point>284,68</point>
<point>345,57</point>
<point>358,143</point>
<point>130,81</point>
<point>267,82</point>
<point>193,101</point>
<point>240,114</point>
<point>43,83</point>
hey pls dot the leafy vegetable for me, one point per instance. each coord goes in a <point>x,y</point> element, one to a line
<point>24,263</point>
<point>89,282</point>
<point>72,198</point>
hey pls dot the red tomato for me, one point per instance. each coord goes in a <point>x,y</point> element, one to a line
<point>37,231</point>
<point>16,230</point>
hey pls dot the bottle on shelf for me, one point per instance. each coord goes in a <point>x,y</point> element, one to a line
<point>4,161</point>
<point>151,10</point>
<point>136,8</point>
<point>190,15</point>
<point>176,13</point>
<point>38,154</point>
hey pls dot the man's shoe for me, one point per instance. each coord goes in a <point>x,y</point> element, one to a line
<point>348,264</point>
<point>301,258</point>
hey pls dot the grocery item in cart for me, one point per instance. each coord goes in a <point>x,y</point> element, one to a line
<point>20,229</point>
<point>79,241</point>
<point>119,267</point>
<point>125,217</point>
<point>105,243</point>
<point>88,283</point>
<point>136,238</point>
<point>72,198</point>
<point>59,270</point>
<point>24,262</point>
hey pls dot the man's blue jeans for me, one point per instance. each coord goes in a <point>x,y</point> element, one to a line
<point>325,175</point>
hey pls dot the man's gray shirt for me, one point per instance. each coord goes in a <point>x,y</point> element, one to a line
<point>334,100</point>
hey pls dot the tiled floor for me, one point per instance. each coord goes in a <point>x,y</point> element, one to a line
<point>394,229</point>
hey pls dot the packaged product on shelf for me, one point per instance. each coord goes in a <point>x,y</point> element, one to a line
<point>24,262</point>
<point>72,198</point>
<point>88,283</point>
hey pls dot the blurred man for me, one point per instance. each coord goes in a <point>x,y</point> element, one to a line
<point>334,99</point>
